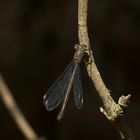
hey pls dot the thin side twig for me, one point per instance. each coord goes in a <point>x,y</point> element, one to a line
<point>16,113</point>
<point>112,110</point>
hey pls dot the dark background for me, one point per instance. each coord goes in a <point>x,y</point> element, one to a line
<point>36,44</point>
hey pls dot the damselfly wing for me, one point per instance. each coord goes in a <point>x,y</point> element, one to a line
<point>77,89</point>
<point>55,94</point>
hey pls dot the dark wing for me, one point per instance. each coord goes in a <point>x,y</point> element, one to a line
<point>77,89</point>
<point>56,92</point>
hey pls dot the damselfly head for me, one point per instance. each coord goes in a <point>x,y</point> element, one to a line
<point>82,47</point>
<point>79,52</point>
<point>76,46</point>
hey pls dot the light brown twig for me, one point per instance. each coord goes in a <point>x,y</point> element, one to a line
<point>16,113</point>
<point>112,110</point>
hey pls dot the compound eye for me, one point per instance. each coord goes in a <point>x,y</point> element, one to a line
<point>76,46</point>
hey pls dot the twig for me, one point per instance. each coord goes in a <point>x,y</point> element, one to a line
<point>16,113</point>
<point>112,110</point>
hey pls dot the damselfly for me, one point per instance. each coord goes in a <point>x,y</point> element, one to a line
<point>61,88</point>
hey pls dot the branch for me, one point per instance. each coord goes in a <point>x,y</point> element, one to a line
<point>113,111</point>
<point>16,113</point>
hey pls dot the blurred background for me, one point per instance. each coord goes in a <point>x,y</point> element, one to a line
<point>36,44</point>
